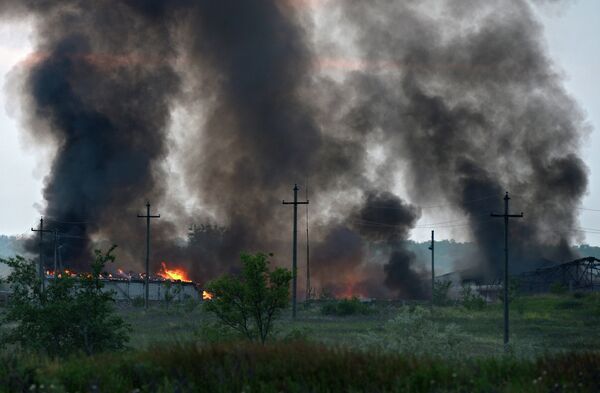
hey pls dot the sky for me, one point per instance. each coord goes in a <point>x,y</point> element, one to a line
<point>571,33</point>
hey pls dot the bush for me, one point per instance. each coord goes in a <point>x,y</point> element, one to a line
<point>413,331</point>
<point>441,290</point>
<point>172,291</point>
<point>513,291</point>
<point>471,300</point>
<point>557,288</point>
<point>71,315</point>
<point>346,307</point>
<point>250,304</point>
<point>138,301</point>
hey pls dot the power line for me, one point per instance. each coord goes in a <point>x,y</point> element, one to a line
<point>434,206</point>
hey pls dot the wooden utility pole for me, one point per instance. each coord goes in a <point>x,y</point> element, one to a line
<point>146,283</point>
<point>432,248</point>
<point>41,266</point>
<point>308,288</point>
<point>295,246</point>
<point>55,252</point>
<point>506,216</point>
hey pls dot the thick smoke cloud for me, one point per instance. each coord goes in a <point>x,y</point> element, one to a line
<point>459,97</point>
<point>385,220</point>
<point>475,107</point>
<point>99,88</point>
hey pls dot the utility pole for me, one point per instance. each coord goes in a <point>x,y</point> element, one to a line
<point>55,252</point>
<point>41,272</point>
<point>146,283</point>
<point>506,216</point>
<point>308,289</point>
<point>295,246</point>
<point>432,248</point>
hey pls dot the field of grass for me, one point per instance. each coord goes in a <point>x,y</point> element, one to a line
<point>539,325</point>
<point>388,346</point>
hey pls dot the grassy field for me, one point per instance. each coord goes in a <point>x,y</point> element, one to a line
<point>539,325</point>
<point>387,347</point>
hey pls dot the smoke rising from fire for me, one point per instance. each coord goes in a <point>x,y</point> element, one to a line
<point>458,97</point>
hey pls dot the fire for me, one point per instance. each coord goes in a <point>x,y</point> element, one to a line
<point>173,274</point>
<point>206,295</point>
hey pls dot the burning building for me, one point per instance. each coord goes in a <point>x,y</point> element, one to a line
<point>166,285</point>
<point>213,109</point>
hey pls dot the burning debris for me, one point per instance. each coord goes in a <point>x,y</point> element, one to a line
<point>457,97</point>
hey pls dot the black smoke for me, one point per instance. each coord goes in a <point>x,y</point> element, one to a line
<point>459,98</point>
<point>467,97</point>
<point>99,88</point>
<point>385,220</point>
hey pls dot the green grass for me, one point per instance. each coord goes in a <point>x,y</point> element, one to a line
<point>539,325</point>
<point>393,348</point>
<point>295,367</point>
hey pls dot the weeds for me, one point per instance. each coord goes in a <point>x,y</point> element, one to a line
<point>346,307</point>
<point>298,366</point>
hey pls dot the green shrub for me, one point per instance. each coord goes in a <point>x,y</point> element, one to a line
<point>471,300</point>
<point>212,333</point>
<point>568,305</point>
<point>70,315</point>
<point>138,301</point>
<point>346,307</point>
<point>441,291</point>
<point>557,288</point>
<point>251,302</point>
<point>413,331</point>
<point>190,304</point>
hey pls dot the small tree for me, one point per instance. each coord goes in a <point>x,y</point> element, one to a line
<point>72,314</point>
<point>470,299</point>
<point>171,291</point>
<point>440,292</point>
<point>251,302</point>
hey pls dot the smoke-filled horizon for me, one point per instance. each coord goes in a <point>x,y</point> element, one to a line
<point>455,101</point>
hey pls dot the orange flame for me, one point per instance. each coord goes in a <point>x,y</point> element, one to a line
<point>173,274</point>
<point>206,295</point>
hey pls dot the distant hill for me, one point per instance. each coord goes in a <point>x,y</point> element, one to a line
<point>449,254</point>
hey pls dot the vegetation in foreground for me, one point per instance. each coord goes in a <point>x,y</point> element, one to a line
<point>347,345</point>
<point>295,367</point>
<point>70,315</point>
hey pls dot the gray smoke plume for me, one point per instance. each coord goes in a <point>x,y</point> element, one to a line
<point>385,220</point>
<point>459,97</point>
<point>99,89</point>
<point>466,95</point>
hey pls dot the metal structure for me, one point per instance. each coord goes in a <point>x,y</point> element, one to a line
<point>295,246</point>
<point>581,274</point>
